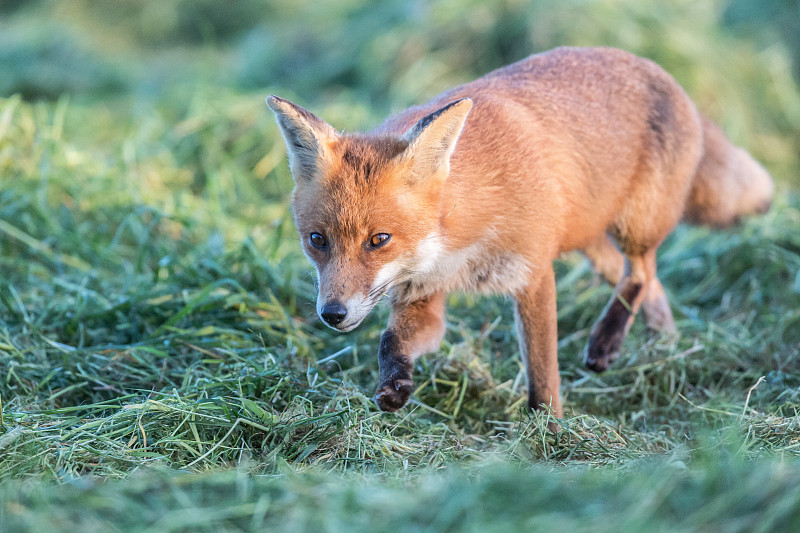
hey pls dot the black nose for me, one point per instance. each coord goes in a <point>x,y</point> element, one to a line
<point>333,313</point>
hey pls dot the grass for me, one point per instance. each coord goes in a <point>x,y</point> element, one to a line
<point>145,334</point>
<point>162,367</point>
<point>663,496</point>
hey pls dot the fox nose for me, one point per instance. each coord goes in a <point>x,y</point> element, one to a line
<point>333,313</point>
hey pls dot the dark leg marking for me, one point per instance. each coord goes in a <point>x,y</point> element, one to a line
<point>395,374</point>
<point>607,336</point>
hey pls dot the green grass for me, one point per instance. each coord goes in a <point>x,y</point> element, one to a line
<point>665,496</point>
<point>162,367</point>
<point>139,334</point>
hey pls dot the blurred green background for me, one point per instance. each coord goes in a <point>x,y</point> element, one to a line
<point>178,85</point>
<point>738,59</point>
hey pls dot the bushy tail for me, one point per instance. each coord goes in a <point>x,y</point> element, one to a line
<point>728,183</point>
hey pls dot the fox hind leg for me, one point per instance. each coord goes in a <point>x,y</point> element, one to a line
<point>606,259</point>
<point>414,328</point>
<point>630,294</point>
<point>609,262</point>
<point>657,313</point>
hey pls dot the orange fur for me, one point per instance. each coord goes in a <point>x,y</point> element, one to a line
<point>484,186</point>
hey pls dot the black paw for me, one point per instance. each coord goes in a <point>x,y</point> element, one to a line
<point>394,393</point>
<point>395,374</point>
<point>608,334</point>
<point>599,356</point>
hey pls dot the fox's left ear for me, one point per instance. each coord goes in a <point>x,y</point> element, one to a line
<point>308,138</point>
<point>432,139</point>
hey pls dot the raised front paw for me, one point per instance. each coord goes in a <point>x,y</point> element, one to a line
<point>393,393</point>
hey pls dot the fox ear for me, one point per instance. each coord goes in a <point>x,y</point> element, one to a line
<point>433,138</point>
<point>308,138</point>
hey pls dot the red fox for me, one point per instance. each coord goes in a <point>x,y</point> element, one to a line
<point>480,189</point>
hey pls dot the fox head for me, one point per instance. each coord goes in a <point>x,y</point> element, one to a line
<point>367,206</point>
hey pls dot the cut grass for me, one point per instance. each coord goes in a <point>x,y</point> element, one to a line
<point>133,335</point>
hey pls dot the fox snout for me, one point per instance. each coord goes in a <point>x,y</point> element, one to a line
<point>349,289</point>
<point>343,313</point>
<point>333,313</point>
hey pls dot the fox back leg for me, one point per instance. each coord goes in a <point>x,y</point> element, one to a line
<point>629,294</point>
<point>609,262</point>
<point>414,329</point>
<point>670,152</point>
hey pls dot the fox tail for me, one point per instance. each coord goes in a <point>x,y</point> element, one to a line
<point>728,183</point>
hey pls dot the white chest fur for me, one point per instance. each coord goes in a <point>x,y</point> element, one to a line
<point>481,267</point>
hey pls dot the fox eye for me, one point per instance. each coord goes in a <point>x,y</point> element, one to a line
<point>318,241</point>
<point>379,239</point>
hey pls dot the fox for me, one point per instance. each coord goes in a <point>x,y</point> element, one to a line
<point>483,187</point>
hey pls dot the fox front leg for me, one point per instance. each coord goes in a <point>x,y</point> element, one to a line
<point>535,314</point>
<point>396,383</point>
<point>414,329</point>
